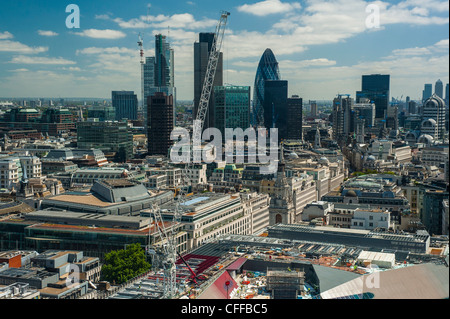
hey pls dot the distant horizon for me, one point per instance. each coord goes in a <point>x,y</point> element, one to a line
<point>323,47</point>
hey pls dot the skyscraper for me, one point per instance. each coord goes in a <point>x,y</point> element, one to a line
<point>446,94</point>
<point>161,123</point>
<point>375,87</point>
<point>232,107</point>
<point>433,117</point>
<point>342,117</point>
<point>439,89</point>
<point>294,118</point>
<point>267,70</point>
<point>275,106</point>
<point>125,104</point>
<point>427,92</point>
<point>202,50</point>
<point>159,75</point>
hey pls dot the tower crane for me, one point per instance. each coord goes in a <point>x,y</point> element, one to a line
<point>168,249</point>
<point>141,50</point>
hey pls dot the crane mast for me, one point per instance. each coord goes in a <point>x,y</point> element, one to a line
<point>202,109</point>
<point>168,250</point>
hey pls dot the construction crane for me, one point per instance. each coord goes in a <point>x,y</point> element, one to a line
<point>141,50</point>
<point>202,109</point>
<point>168,249</point>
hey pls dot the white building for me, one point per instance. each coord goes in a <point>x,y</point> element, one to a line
<point>433,114</point>
<point>370,219</point>
<point>10,172</point>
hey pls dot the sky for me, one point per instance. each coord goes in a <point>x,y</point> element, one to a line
<point>323,46</point>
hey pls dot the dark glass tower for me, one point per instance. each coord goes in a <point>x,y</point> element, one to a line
<point>276,106</point>
<point>202,50</point>
<point>160,123</point>
<point>267,70</point>
<point>295,118</point>
<point>125,104</point>
<point>375,87</point>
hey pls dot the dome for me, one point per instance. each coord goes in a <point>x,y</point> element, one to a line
<point>429,123</point>
<point>351,193</point>
<point>293,155</point>
<point>434,101</point>
<point>323,160</point>
<point>371,158</point>
<point>425,138</point>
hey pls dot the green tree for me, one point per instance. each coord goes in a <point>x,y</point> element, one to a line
<point>122,265</point>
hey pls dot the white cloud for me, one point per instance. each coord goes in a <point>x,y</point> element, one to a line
<point>47,33</point>
<point>6,35</point>
<point>176,21</point>
<point>22,59</point>
<point>102,34</point>
<point>17,47</point>
<point>268,7</point>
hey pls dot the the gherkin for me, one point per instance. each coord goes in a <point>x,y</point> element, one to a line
<point>267,70</point>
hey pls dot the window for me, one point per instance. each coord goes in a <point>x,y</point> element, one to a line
<point>371,224</point>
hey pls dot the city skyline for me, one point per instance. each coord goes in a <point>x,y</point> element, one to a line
<point>322,48</point>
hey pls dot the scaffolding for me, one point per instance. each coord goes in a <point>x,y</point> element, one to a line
<point>285,283</point>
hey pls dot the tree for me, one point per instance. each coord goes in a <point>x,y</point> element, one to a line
<point>122,265</point>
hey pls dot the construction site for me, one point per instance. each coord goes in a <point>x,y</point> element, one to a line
<point>278,264</point>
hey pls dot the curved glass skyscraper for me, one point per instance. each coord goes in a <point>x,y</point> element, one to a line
<point>267,70</point>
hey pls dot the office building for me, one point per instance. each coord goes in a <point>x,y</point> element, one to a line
<point>125,104</point>
<point>427,92</point>
<point>342,117</point>
<point>160,123</point>
<point>433,117</point>
<point>102,113</point>
<point>431,214</point>
<point>446,94</point>
<point>275,106</point>
<point>202,50</point>
<point>375,87</point>
<point>231,107</point>
<point>109,137</point>
<point>158,73</point>
<point>295,118</point>
<point>439,89</point>
<point>267,70</point>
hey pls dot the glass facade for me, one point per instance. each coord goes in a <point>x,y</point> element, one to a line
<point>232,107</point>
<point>125,104</point>
<point>267,70</point>
<point>107,137</point>
<point>375,87</point>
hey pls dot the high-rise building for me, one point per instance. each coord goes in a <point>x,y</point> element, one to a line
<point>439,89</point>
<point>342,117</point>
<point>232,107</point>
<point>111,137</point>
<point>427,92</point>
<point>375,87</point>
<point>159,74</point>
<point>313,108</point>
<point>446,94</point>
<point>365,111</point>
<point>202,50</point>
<point>125,104</point>
<point>160,123</point>
<point>432,211</point>
<point>275,106</point>
<point>267,70</point>
<point>433,117</point>
<point>294,118</point>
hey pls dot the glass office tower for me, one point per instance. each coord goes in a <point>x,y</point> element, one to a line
<point>267,70</point>
<point>232,107</point>
<point>375,87</point>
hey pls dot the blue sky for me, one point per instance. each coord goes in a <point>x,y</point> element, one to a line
<point>322,46</point>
